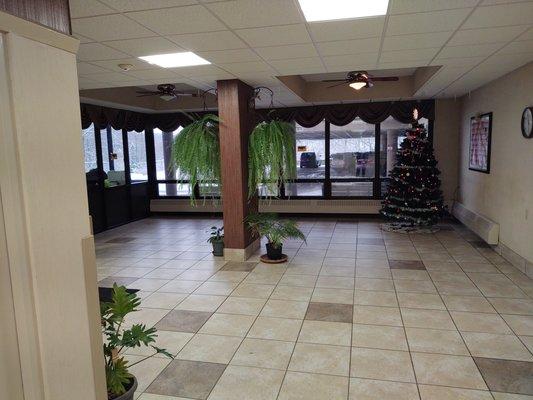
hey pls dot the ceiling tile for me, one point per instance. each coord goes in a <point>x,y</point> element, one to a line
<point>286,52</point>
<point>525,46</point>
<point>275,35</point>
<point>299,66</point>
<point>509,59</point>
<point>253,13</point>
<point>401,64</point>
<point>351,62</point>
<point>113,64</point>
<point>438,21</point>
<point>111,77</point>
<point>82,38</point>
<point>409,55</point>
<point>134,82</point>
<point>486,35</point>
<point>457,62</point>
<point>145,46</point>
<point>86,68</point>
<point>86,85</point>
<point>221,40</point>
<point>135,5</point>
<point>354,46</point>
<point>109,27</point>
<point>228,56</point>
<point>501,15</point>
<point>97,51</point>
<point>415,6</point>
<point>480,50</point>
<point>199,71</point>
<point>88,8</point>
<point>252,66</point>
<point>168,21</point>
<point>349,29</point>
<point>416,41</point>
<point>527,35</point>
<point>152,73</point>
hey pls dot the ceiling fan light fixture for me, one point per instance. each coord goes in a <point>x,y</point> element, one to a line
<point>174,60</point>
<point>167,97</point>
<point>358,85</point>
<point>320,10</point>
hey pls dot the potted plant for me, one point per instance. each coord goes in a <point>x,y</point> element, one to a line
<point>196,153</point>
<point>217,240</point>
<point>275,231</point>
<point>271,156</point>
<point>121,385</point>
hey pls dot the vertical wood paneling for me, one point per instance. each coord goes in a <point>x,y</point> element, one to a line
<point>235,127</point>
<point>54,14</point>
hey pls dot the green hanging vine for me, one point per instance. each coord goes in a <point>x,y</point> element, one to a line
<point>271,156</point>
<point>196,153</point>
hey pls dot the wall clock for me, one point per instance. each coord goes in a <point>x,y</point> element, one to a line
<point>527,123</point>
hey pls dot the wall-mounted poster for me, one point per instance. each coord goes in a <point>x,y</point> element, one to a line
<point>480,136</point>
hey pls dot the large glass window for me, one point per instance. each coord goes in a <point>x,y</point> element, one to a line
<point>311,152</point>
<point>163,153</point>
<point>113,156</point>
<point>137,155</point>
<point>89,148</point>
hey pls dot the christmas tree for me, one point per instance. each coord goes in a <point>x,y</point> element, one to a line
<point>414,198</point>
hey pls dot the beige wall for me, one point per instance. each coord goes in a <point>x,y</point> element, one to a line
<point>446,144</point>
<point>44,204</point>
<point>506,194</point>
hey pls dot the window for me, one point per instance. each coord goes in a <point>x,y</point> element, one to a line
<point>310,161</point>
<point>174,189</point>
<point>163,154</point>
<point>113,156</point>
<point>89,148</point>
<point>137,156</point>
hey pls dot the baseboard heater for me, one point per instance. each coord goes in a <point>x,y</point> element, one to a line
<point>303,206</point>
<point>485,228</point>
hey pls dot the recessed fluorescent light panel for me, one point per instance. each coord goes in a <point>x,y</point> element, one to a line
<point>174,60</point>
<point>329,10</point>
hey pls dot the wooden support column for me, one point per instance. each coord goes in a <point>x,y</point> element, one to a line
<point>236,123</point>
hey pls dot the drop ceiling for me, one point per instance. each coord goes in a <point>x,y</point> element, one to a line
<point>475,41</point>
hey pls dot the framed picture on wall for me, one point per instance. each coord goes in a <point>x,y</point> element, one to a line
<point>480,137</point>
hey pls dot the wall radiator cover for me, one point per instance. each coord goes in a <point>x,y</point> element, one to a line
<point>485,228</point>
<point>303,206</point>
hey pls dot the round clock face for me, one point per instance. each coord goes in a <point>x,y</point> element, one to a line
<point>527,123</point>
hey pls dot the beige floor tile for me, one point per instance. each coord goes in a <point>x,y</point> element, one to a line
<point>305,386</point>
<point>410,275</point>
<point>320,359</point>
<point>479,322</point>
<point>257,291</point>
<point>247,383</point>
<point>210,348</point>
<point>275,328</point>
<point>369,389</point>
<point>520,324</point>
<point>326,295</point>
<point>146,316</point>
<point>457,288</point>
<point>491,345</point>
<point>429,319</point>
<point>263,353</point>
<point>446,370</point>
<point>407,286</point>
<point>374,298</point>
<point>513,306</point>
<point>510,396</point>
<point>163,300</point>
<point>369,263</point>
<point>298,280</point>
<point>468,303</point>
<point>379,364</point>
<point>295,293</point>
<point>372,315</point>
<point>180,286</point>
<point>372,272</point>
<point>216,288</point>
<point>284,309</point>
<point>201,302</point>
<point>228,324</point>
<point>379,337</point>
<point>173,342</point>
<point>321,332</point>
<point>374,284</point>
<point>242,305</point>
<point>428,392</point>
<point>149,396</point>
<point>146,371</point>
<point>195,275</point>
<point>229,276</point>
<point>436,341</point>
<point>421,300</point>
<point>335,282</point>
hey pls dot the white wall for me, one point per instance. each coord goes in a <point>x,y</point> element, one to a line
<point>506,194</point>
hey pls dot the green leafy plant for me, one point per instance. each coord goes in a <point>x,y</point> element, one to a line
<point>216,235</point>
<point>196,153</point>
<point>271,156</point>
<point>118,339</point>
<point>273,228</point>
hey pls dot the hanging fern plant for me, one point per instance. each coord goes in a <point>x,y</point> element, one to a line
<point>271,156</point>
<point>196,153</point>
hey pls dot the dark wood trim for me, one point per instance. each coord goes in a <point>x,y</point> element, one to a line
<point>327,160</point>
<point>377,162</point>
<point>53,14</point>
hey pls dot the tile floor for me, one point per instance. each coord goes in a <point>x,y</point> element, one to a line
<point>356,314</point>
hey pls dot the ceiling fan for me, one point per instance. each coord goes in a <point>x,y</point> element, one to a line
<point>360,79</point>
<point>165,91</point>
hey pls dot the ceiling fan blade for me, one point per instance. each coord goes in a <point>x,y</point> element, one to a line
<point>184,94</point>
<point>335,80</point>
<point>385,78</point>
<point>338,84</point>
<point>147,94</point>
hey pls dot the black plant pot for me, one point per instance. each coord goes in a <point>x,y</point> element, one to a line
<point>273,252</point>
<point>129,393</point>
<point>218,248</point>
